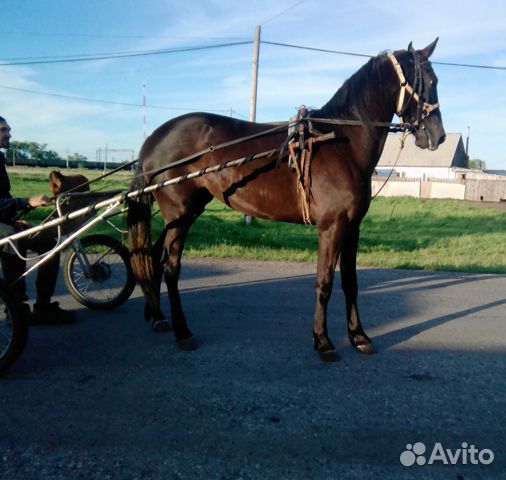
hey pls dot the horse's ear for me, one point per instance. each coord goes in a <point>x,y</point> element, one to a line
<point>426,52</point>
<point>410,47</point>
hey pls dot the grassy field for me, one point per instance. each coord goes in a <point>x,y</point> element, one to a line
<point>397,232</point>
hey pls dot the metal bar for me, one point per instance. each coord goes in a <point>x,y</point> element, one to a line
<point>136,193</point>
<point>71,238</point>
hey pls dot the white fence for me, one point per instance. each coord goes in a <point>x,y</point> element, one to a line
<point>466,189</point>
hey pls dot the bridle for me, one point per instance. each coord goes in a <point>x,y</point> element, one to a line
<point>423,109</point>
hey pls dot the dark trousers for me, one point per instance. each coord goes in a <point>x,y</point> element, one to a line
<point>13,266</point>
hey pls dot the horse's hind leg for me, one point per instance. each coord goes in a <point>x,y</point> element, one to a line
<point>174,244</point>
<point>159,324</point>
<point>175,238</point>
<point>348,267</point>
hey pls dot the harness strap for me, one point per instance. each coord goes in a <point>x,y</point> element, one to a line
<point>301,153</point>
<point>427,108</point>
<point>212,148</point>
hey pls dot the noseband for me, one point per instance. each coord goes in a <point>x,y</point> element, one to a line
<point>424,109</point>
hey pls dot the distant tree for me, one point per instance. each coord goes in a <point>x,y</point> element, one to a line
<point>477,164</point>
<point>77,157</point>
<point>19,152</point>
<point>32,153</point>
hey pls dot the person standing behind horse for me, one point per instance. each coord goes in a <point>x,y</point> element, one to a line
<point>44,311</point>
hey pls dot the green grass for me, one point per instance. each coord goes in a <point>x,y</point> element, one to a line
<point>396,233</point>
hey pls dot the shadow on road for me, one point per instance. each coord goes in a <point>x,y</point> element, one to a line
<point>254,401</point>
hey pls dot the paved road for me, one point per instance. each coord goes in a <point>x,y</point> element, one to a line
<point>107,398</point>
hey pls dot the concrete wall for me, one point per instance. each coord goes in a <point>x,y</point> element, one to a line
<point>448,190</point>
<point>395,188</point>
<point>486,190</point>
<point>418,172</point>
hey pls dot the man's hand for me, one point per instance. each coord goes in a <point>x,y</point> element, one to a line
<point>40,200</point>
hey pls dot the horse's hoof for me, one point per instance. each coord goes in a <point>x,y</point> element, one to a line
<point>367,348</point>
<point>329,356</point>
<point>160,326</point>
<point>326,350</point>
<point>187,344</point>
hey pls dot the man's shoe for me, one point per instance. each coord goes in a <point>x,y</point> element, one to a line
<point>50,314</point>
<point>26,313</point>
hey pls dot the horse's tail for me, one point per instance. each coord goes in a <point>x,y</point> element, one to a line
<point>139,239</point>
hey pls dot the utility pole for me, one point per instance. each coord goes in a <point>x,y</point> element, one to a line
<point>467,142</point>
<point>105,157</point>
<point>144,109</point>
<point>254,85</point>
<point>254,76</point>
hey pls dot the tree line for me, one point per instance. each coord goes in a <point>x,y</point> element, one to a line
<point>37,155</point>
<point>33,154</point>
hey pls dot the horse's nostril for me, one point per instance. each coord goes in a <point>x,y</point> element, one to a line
<point>442,139</point>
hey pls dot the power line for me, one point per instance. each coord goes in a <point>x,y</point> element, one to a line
<point>109,102</point>
<point>90,57</point>
<point>94,56</point>
<point>469,65</point>
<point>281,13</point>
<point>74,55</point>
<point>99,35</point>
<point>301,47</point>
<point>117,55</point>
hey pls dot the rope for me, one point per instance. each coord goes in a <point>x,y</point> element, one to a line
<point>403,140</point>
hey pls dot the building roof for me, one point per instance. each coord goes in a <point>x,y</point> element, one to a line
<point>501,173</point>
<point>449,154</point>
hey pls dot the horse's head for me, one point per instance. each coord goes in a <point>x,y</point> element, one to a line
<point>56,182</point>
<point>418,100</point>
<point>59,183</point>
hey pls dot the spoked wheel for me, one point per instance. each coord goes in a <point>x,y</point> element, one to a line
<point>97,272</point>
<point>13,327</point>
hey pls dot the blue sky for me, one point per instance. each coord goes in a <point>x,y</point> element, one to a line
<point>218,80</point>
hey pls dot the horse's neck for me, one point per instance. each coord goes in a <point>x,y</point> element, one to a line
<point>373,101</point>
<point>372,105</point>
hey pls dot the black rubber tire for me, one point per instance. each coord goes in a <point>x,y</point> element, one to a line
<point>71,268</point>
<point>13,332</point>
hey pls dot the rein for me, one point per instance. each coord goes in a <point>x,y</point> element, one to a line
<point>212,148</point>
<point>394,127</point>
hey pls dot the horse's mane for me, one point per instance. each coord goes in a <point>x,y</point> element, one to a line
<point>353,100</point>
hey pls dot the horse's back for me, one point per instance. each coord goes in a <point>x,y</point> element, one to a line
<point>193,132</point>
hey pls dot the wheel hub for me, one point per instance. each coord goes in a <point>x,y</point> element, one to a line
<point>100,272</point>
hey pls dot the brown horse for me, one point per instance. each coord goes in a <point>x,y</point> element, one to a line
<point>59,183</point>
<point>341,182</point>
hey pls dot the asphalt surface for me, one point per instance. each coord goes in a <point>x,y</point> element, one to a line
<point>106,398</point>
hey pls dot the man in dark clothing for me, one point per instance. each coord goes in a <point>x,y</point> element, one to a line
<point>44,311</point>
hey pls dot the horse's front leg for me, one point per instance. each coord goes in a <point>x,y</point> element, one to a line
<point>329,247</point>
<point>348,267</point>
